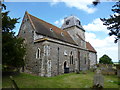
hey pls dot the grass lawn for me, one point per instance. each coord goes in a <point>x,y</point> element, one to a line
<point>71,80</point>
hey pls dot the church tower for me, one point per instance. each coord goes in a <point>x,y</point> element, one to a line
<point>73,26</point>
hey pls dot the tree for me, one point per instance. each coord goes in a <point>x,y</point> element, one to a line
<point>96,2</point>
<point>105,60</point>
<point>112,23</point>
<point>13,49</point>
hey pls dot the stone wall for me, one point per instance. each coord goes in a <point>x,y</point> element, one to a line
<point>93,59</point>
<point>107,69</point>
<point>74,32</point>
<point>32,64</point>
<point>59,54</point>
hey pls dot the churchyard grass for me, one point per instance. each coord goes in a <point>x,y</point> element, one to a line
<point>71,80</point>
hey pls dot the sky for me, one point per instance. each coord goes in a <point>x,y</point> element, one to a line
<point>54,12</point>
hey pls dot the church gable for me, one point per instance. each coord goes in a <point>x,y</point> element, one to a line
<point>49,30</point>
<point>26,26</point>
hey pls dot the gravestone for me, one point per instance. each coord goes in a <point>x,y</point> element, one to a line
<point>111,70</point>
<point>14,85</point>
<point>110,66</point>
<point>118,70</point>
<point>118,73</point>
<point>107,69</point>
<point>98,79</point>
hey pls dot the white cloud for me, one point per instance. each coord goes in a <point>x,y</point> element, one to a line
<point>79,4</point>
<point>54,2</point>
<point>59,22</point>
<point>103,46</point>
<point>96,25</point>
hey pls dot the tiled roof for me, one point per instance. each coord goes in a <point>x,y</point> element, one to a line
<point>89,47</point>
<point>47,29</point>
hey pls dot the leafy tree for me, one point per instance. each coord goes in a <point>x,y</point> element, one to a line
<point>112,23</point>
<point>96,2</point>
<point>105,60</point>
<point>13,50</point>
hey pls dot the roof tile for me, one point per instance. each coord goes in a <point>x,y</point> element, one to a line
<point>89,47</point>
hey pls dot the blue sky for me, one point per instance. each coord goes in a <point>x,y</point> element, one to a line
<point>89,15</point>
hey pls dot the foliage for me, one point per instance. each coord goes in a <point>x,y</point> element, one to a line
<point>13,49</point>
<point>113,23</point>
<point>105,60</point>
<point>96,2</point>
<point>8,24</point>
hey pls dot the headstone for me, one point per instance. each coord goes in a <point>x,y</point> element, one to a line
<point>98,79</point>
<point>14,85</point>
<point>118,73</point>
<point>110,66</point>
<point>118,70</point>
<point>107,69</point>
<point>77,71</point>
<point>111,70</point>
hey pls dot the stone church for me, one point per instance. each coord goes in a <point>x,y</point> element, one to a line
<point>53,51</point>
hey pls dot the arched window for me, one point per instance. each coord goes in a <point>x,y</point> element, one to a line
<point>85,61</point>
<point>71,58</point>
<point>38,53</point>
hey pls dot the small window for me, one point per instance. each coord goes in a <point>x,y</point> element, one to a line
<point>78,22</point>
<point>51,30</point>
<point>85,61</point>
<point>38,53</point>
<point>65,52</point>
<point>67,22</point>
<point>71,58</point>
